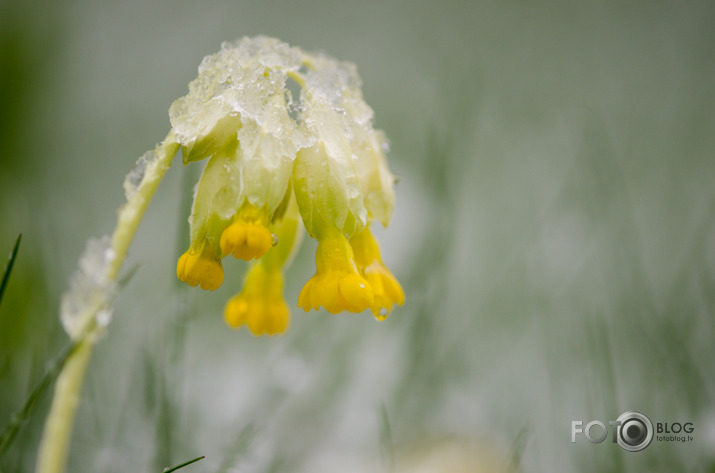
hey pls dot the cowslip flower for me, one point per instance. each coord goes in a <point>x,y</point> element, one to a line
<point>275,166</point>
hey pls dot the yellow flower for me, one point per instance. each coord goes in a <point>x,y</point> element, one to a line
<point>202,268</point>
<point>337,284</point>
<point>260,304</point>
<point>386,289</point>
<point>269,170</point>
<point>248,236</point>
<point>236,114</point>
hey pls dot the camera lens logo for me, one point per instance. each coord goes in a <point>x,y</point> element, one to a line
<point>634,431</point>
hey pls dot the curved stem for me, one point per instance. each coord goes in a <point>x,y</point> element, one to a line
<point>131,213</point>
<point>58,429</point>
<point>54,445</point>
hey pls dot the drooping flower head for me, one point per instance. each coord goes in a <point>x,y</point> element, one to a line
<point>265,168</point>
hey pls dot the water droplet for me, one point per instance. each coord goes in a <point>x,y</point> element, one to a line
<point>274,239</point>
<point>382,314</point>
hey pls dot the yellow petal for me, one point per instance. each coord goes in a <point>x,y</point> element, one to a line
<point>260,304</point>
<point>202,268</point>
<point>246,240</point>
<point>386,289</point>
<point>337,285</point>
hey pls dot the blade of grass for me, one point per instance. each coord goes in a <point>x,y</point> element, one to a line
<point>19,419</point>
<point>517,449</point>
<point>386,444</point>
<point>8,267</point>
<point>169,470</point>
<point>245,438</point>
<point>130,273</point>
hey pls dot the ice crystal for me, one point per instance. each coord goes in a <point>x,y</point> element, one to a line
<point>136,175</point>
<point>90,289</point>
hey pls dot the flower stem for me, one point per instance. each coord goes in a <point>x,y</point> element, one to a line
<point>58,429</point>
<point>54,446</point>
<point>131,213</point>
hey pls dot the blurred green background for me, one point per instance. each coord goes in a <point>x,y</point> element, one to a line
<point>554,234</point>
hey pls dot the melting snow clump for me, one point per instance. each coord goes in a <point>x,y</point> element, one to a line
<point>90,288</point>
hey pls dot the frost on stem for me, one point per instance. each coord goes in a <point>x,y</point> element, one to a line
<point>91,291</point>
<point>136,175</point>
